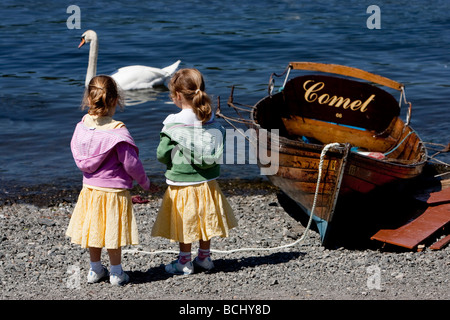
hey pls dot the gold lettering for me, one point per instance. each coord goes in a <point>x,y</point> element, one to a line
<point>323,97</point>
<point>311,96</point>
<point>364,105</point>
<point>355,105</point>
<point>338,101</point>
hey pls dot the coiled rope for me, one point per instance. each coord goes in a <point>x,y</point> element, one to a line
<point>302,238</point>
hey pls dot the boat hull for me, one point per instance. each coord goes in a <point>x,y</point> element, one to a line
<point>344,173</point>
<point>399,154</point>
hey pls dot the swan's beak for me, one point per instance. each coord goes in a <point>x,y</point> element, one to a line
<point>81,43</point>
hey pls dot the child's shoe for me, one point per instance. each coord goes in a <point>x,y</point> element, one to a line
<point>94,277</point>
<point>205,264</point>
<point>175,267</point>
<point>119,280</point>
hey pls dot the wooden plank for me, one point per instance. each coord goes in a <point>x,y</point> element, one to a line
<point>441,243</point>
<point>327,132</point>
<point>435,198</point>
<point>346,71</point>
<point>442,196</point>
<point>418,230</point>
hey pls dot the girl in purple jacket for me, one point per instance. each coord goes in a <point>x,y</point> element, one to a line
<point>105,152</point>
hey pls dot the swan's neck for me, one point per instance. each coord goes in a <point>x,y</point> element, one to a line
<point>92,66</point>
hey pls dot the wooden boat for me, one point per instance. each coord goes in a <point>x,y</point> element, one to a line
<point>375,148</point>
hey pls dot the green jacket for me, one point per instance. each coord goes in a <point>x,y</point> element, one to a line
<point>191,153</point>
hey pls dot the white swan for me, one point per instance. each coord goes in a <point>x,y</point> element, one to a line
<point>128,78</point>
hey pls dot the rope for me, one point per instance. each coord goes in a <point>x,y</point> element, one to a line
<point>445,148</point>
<point>227,119</point>
<point>439,161</point>
<point>398,145</point>
<point>302,238</point>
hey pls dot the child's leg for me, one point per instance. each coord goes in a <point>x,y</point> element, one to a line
<point>185,253</point>
<point>95,259</point>
<point>115,256</point>
<point>95,254</point>
<point>205,245</point>
<point>203,259</point>
<point>115,260</point>
<point>183,264</point>
<point>97,270</point>
<point>204,249</point>
<point>117,276</point>
<point>185,247</point>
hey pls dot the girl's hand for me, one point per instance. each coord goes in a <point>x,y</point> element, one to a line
<point>138,199</point>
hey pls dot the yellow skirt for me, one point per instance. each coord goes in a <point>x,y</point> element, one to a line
<point>192,213</point>
<point>103,219</point>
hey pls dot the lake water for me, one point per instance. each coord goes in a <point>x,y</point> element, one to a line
<point>231,42</point>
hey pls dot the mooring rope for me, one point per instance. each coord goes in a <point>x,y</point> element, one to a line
<point>302,238</point>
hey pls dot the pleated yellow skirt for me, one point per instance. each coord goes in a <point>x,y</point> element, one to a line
<point>103,219</point>
<point>193,213</point>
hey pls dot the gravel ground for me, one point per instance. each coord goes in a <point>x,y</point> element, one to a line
<point>38,262</point>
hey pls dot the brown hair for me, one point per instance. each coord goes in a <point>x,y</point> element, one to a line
<point>190,83</point>
<point>101,96</point>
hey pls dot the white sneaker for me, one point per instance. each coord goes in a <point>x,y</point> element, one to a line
<point>119,280</point>
<point>96,277</point>
<point>205,264</point>
<point>176,267</point>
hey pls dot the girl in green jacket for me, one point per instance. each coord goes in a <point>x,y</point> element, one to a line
<point>191,145</point>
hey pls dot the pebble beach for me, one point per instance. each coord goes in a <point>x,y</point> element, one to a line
<point>38,262</point>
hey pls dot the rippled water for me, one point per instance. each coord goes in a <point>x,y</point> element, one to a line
<point>232,42</point>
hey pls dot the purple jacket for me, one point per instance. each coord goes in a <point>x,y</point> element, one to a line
<point>107,158</point>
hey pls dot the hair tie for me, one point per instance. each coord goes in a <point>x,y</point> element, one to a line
<point>94,86</point>
<point>197,91</point>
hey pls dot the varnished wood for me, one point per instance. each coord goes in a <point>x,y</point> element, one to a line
<point>330,132</point>
<point>343,175</point>
<point>346,71</point>
<point>418,230</point>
